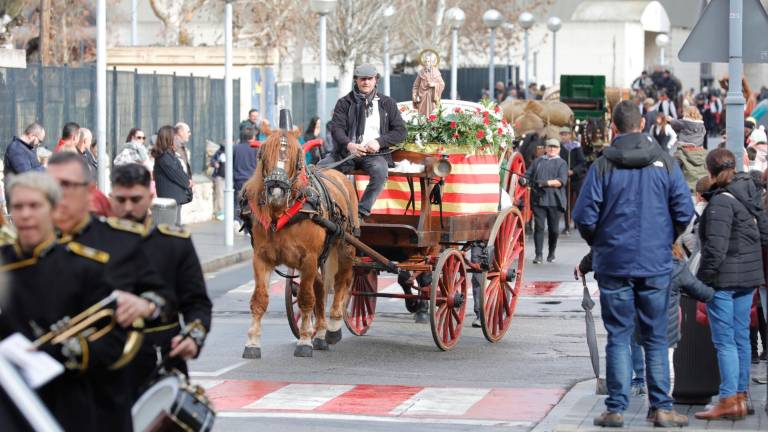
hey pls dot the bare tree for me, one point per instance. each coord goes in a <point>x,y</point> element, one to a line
<point>175,15</point>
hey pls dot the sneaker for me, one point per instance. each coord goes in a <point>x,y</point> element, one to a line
<point>476,323</point>
<point>638,390</point>
<point>609,419</point>
<point>669,418</point>
<point>538,259</point>
<point>550,257</point>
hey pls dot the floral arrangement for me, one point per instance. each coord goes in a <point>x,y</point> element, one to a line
<point>470,130</point>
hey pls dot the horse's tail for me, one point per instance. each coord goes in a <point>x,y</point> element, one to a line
<point>330,269</point>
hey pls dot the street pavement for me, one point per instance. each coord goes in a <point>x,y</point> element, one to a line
<point>395,378</point>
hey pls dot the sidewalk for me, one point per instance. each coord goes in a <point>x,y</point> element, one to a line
<point>208,238</point>
<point>577,409</point>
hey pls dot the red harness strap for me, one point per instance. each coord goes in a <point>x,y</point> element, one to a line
<point>289,214</point>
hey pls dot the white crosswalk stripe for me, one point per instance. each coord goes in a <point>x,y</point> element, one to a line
<point>300,397</point>
<point>440,401</point>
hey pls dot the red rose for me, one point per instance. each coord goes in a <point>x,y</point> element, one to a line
<point>457,110</point>
<point>504,122</point>
<point>478,109</point>
<point>455,136</point>
<point>453,125</point>
<point>500,131</point>
<point>432,117</point>
<point>480,134</point>
<point>496,109</point>
<point>485,114</point>
<point>486,121</point>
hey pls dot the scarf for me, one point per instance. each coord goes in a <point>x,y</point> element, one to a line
<point>360,108</point>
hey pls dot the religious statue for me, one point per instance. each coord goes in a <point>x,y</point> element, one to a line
<point>429,84</point>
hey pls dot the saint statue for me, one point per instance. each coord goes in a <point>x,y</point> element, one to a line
<point>429,84</point>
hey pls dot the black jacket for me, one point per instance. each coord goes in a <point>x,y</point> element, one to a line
<point>392,128</point>
<point>732,230</point>
<point>683,282</point>
<point>170,179</point>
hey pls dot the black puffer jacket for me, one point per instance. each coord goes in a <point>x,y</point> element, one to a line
<point>732,230</point>
<point>683,282</point>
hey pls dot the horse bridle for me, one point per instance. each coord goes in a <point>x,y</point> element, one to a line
<point>278,177</point>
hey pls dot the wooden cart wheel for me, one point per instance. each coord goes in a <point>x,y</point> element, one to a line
<point>519,194</point>
<point>448,298</point>
<point>503,281</point>
<point>292,303</point>
<point>360,310</point>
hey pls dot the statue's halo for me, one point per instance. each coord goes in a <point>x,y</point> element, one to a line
<point>429,51</point>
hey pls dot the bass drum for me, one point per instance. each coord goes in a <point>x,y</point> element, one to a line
<point>172,404</point>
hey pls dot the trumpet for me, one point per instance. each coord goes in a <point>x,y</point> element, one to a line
<point>92,324</point>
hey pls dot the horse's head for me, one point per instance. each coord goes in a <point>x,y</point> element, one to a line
<point>282,167</point>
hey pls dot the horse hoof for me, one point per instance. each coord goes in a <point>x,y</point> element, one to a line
<point>333,337</point>
<point>303,351</point>
<point>252,353</point>
<point>421,318</point>
<point>319,344</point>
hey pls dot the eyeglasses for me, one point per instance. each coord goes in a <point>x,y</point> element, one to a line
<point>141,137</point>
<point>133,199</point>
<point>66,184</point>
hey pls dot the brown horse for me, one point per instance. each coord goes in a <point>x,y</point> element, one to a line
<point>279,182</point>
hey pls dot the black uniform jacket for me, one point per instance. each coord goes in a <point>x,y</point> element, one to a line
<point>54,282</point>
<point>129,270</point>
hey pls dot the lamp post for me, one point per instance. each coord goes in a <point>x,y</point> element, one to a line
<point>526,21</point>
<point>553,24</point>
<point>662,40</point>
<point>101,93</point>
<point>389,14</point>
<point>455,18</point>
<point>492,19</point>
<point>229,190</point>
<point>322,8</point>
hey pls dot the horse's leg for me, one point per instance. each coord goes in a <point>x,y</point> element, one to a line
<point>259,302</point>
<point>319,342</point>
<point>343,281</point>
<point>306,300</point>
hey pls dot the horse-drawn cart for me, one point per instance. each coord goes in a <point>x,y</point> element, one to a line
<point>434,255</point>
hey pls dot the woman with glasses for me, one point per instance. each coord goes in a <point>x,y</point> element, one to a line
<point>134,150</point>
<point>171,180</point>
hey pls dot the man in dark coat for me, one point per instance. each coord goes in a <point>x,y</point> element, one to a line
<point>20,154</point>
<point>570,151</point>
<point>365,122</point>
<point>244,158</point>
<point>633,202</point>
<point>549,175</point>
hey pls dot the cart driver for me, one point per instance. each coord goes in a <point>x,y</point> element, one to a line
<point>365,123</point>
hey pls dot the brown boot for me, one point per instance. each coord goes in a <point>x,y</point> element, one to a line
<point>746,401</point>
<point>728,408</point>
<point>609,419</point>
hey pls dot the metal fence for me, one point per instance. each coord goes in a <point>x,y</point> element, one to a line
<point>55,95</point>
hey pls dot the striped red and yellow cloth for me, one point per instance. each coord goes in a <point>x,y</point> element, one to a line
<point>471,188</point>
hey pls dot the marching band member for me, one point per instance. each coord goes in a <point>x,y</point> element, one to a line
<point>173,255</point>
<point>49,281</point>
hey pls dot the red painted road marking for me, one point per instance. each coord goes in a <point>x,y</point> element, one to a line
<point>507,404</point>
<point>538,288</point>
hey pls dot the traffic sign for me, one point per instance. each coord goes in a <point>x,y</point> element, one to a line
<point>708,41</point>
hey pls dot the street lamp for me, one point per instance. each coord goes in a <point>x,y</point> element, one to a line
<point>492,19</point>
<point>526,21</point>
<point>455,18</point>
<point>553,24</point>
<point>389,14</point>
<point>662,40</point>
<point>322,8</point>
<point>101,93</point>
<point>229,189</point>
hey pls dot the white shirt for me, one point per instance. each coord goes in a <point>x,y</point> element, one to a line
<point>372,124</point>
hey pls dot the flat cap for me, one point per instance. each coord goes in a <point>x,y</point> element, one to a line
<point>365,70</point>
<point>553,143</point>
<point>565,129</point>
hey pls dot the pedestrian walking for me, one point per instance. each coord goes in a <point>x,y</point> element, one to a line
<point>252,122</point>
<point>663,133</point>
<point>633,182</point>
<point>244,159</point>
<point>571,152</point>
<point>549,176</point>
<point>733,228</point>
<point>20,154</point>
<point>666,105</point>
<point>649,112</point>
<point>171,179</point>
<point>312,133</point>
<point>217,175</point>
<point>181,136</point>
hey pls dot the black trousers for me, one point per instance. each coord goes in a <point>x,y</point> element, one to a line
<point>552,216</point>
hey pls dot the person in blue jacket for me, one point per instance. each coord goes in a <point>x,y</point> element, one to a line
<point>632,204</point>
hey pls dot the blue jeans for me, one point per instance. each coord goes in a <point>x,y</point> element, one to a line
<point>638,363</point>
<point>623,302</point>
<point>729,321</point>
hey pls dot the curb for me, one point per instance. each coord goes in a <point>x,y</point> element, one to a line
<point>232,258</point>
<point>554,419</point>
